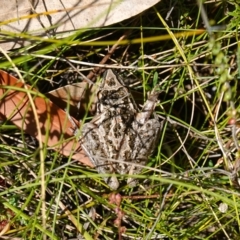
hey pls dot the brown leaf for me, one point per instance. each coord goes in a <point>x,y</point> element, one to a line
<point>76,97</point>
<point>54,123</point>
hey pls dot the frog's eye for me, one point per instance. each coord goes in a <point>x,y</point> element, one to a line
<point>148,125</point>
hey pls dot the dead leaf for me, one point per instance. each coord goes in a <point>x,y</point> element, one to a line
<point>55,125</point>
<point>62,18</point>
<point>76,97</point>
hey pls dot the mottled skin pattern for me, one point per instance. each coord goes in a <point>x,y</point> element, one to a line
<point>120,132</point>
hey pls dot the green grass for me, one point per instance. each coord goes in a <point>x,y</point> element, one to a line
<point>194,171</point>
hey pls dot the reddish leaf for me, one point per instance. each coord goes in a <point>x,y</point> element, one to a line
<point>54,124</point>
